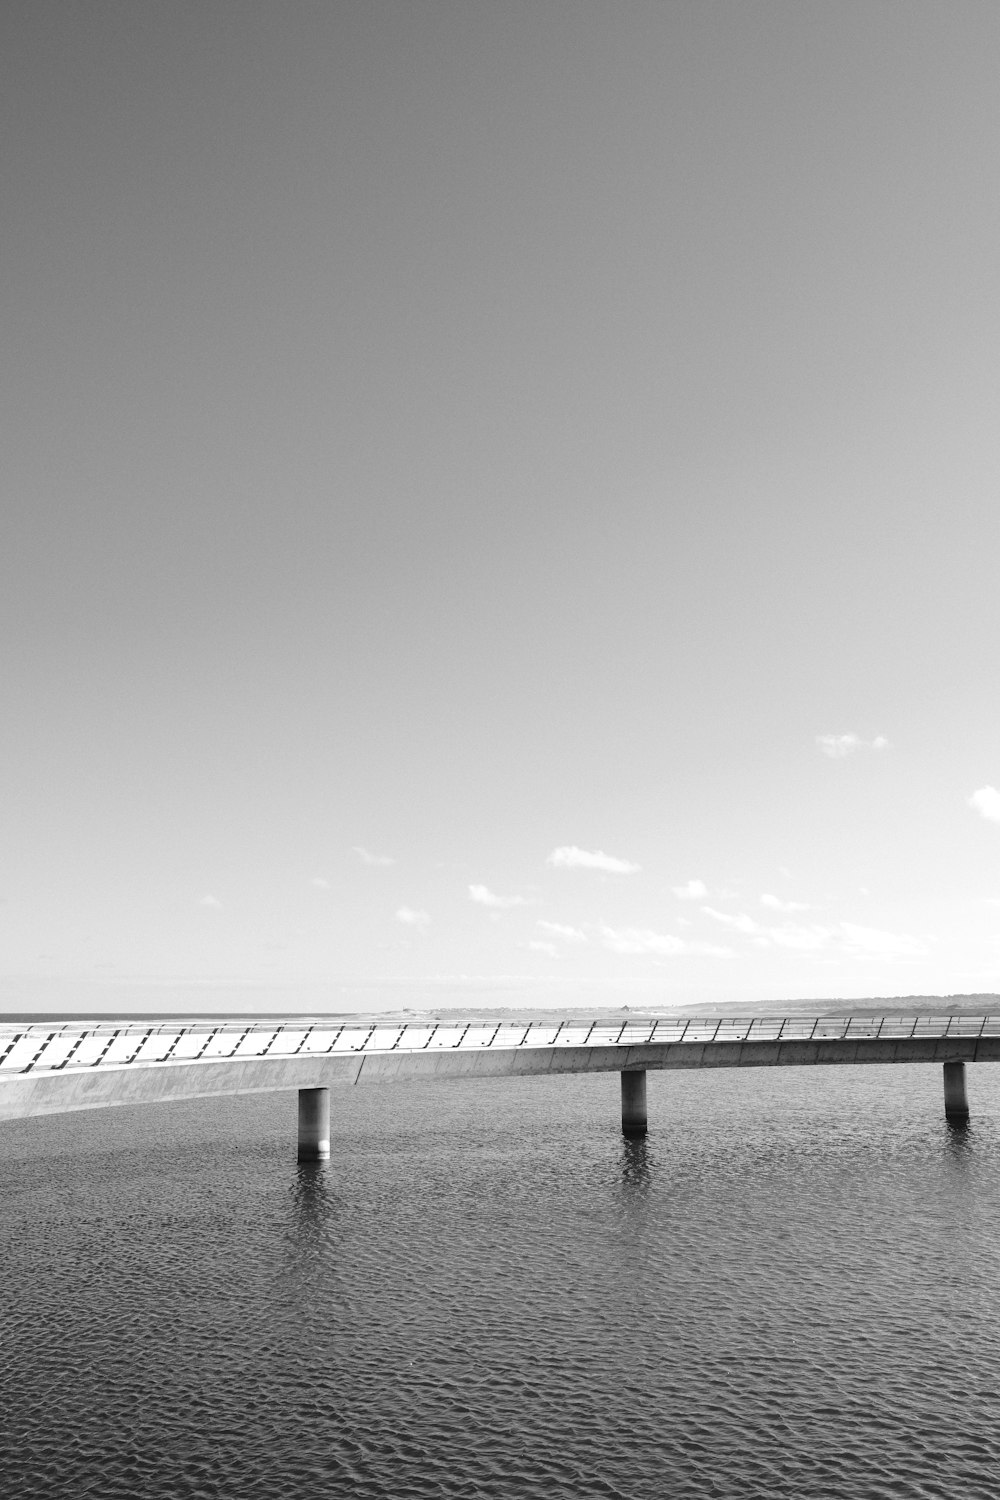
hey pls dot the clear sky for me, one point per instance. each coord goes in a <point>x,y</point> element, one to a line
<point>501,498</point>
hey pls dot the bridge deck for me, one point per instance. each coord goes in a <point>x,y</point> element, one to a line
<point>51,1068</point>
<point>87,1045</point>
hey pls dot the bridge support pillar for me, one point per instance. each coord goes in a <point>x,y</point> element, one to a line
<point>634,1102</point>
<point>314,1124</point>
<point>956,1100</point>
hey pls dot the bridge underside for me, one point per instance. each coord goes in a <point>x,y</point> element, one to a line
<point>56,1092</point>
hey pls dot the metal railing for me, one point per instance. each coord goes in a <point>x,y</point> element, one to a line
<point>72,1045</point>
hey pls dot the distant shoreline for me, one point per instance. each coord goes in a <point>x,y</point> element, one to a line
<point>909,1005</point>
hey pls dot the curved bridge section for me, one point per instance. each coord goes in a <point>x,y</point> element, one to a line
<point>47,1069</point>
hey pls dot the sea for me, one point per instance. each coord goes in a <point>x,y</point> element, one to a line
<point>790,1288</point>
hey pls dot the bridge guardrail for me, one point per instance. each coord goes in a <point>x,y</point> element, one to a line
<point>46,1047</point>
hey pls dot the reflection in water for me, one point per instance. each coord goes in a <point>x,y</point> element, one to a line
<point>634,1169</point>
<point>312,1200</point>
<point>960,1142</point>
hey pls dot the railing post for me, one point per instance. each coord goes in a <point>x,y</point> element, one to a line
<point>314,1124</point>
<point>956,1100</point>
<point>634,1102</point>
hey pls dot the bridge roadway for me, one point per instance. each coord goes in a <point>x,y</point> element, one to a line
<point>50,1068</point>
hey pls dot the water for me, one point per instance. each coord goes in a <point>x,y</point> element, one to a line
<point>789,1289</point>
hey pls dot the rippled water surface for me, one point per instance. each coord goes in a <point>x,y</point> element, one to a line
<point>791,1288</point>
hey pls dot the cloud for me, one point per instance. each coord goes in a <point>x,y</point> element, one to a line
<point>877,944</point>
<point>368,858</point>
<point>695,890</point>
<point>775,903</point>
<point>320,883</point>
<point>741,922</point>
<point>837,746</point>
<point>484,897</point>
<point>664,944</point>
<point>801,939</point>
<point>813,937</point>
<point>411,918</point>
<point>539,947</point>
<point>560,930</point>
<point>987,802</point>
<point>211,902</point>
<point>569,857</point>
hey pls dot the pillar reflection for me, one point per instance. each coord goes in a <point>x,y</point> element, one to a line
<point>635,1176</point>
<point>312,1198</point>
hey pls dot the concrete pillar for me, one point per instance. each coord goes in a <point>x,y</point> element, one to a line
<point>314,1124</point>
<point>956,1100</point>
<point>634,1102</point>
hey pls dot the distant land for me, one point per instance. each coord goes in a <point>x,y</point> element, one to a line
<point>908,1005</point>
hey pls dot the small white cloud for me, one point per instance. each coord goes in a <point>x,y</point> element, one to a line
<point>801,939</point>
<point>541,947</point>
<point>848,937</point>
<point>695,890</point>
<point>837,746</point>
<point>560,930</point>
<point>775,903</point>
<point>987,802</point>
<point>320,883</point>
<point>641,940</point>
<point>484,897</point>
<point>367,858</point>
<point>741,922</point>
<point>411,918</point>
<point>876,944</point>
<point>211,902</point>
<point>569,857</point>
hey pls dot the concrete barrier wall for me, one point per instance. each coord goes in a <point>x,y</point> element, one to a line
<point>23,1095</point>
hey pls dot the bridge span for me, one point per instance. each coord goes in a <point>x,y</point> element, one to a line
<point>50,1068</point>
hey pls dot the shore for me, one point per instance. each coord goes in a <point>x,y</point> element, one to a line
<point>908,1005</point>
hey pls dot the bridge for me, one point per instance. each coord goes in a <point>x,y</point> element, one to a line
<point>50,1068</point>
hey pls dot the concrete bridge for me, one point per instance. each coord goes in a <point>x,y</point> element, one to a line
<point>51,1068</point>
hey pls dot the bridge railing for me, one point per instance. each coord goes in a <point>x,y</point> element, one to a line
<point>75,1045</point>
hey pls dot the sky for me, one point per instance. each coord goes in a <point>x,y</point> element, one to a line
<point>499,502</point>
